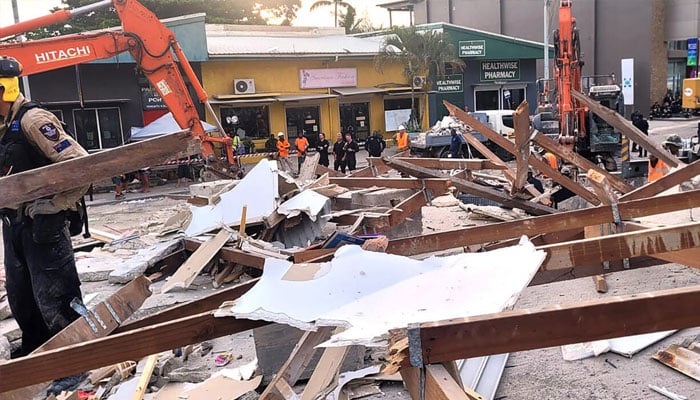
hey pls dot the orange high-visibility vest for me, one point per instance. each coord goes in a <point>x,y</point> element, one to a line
<point>283,148</point>
<point>402,141</point>
<point>657,172</point>
<point>552,160</point>
<point>301,144</point>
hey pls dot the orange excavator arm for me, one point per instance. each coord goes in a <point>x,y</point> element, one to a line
<point>152,45</point>
<point>568,75</point>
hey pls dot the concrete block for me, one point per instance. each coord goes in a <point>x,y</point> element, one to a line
<point>380,198</point>
<point>10,330</point>
<point>96,269</point>
<point>209,189</point>
<point>4,348</point>
<point>145,258</point>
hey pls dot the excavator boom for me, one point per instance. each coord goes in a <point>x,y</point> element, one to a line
<point>152,45</point>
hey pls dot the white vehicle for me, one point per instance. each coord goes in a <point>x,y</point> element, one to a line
<point>501,121</point>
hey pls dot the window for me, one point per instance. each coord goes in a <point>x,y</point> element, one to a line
<point>303,120</point>
<point>98,128</point>
<point>486,100</point>
<point>250,122</point>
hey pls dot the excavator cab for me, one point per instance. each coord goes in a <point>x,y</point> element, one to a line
<point>603,138</point>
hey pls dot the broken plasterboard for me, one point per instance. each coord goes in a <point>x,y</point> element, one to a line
<point>308,202</point>
<point>625,346</point>
<point>370,293</point>
<point>258,191</point>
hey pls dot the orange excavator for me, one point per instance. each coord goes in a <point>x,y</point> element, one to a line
<point>565,117</point>
<point>152,45</point>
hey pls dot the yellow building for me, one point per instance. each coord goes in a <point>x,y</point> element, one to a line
<point>265,80</point>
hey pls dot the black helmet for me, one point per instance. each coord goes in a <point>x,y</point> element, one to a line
<point>9,67</point>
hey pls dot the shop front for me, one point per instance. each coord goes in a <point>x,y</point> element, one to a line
<point>499,74</point>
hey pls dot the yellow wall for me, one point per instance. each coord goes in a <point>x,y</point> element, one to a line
<point>282,77</point>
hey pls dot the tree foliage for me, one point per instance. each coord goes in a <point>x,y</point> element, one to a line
<point>422,53</point>
<point>334,3</point>
<point>253,12</point>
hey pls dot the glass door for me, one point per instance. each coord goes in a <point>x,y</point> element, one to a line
<point>303,120</point>
<point>354,119</point>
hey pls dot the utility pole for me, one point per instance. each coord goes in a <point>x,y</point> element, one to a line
<point>546,40</point>
<point>25,79</point>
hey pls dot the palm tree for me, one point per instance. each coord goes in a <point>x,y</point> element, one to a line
<point>349,20</point>
<point>335,3</point>
<point>422,53</point>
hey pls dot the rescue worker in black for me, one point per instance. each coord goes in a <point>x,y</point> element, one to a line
<point>41,276</point>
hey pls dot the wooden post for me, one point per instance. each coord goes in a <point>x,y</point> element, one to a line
<point>521,123</point>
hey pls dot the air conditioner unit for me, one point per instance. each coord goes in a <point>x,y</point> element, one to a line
<point>418,81</point>
<point>244,86</point>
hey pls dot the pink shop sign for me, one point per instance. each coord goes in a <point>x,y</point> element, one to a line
<point>327,78</point>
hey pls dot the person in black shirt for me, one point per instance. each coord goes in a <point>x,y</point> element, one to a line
<point>351,148</point>
<point>339,154</point>
<point>375,144</point>
<point>322,149</point>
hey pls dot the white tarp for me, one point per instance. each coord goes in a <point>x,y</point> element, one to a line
<point>161,126</point>
<point>258,191</point>
<point>370,293</point>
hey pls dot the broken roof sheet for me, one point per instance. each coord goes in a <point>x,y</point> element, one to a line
<point>258,191</point>
<point>370,293</point>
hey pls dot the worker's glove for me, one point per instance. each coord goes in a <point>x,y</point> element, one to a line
<point>41,206</point>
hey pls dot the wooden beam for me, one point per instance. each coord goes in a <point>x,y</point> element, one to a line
<point>580,162</point>
<point>486,152</point>
<point>602,186</point>
<point>325,376</point>
<point>577,219</point>
<point>185,275</point>
<point>688,257</point>
<point>507,145</point>
<point>122,304</point>
<point>297,362</point>
<point>114,349</point>
<point>618,122</point>
<point>439,185</point>
<point>470,187</point>
<point>71,174</point>
<point>145,377</point>
<point>322,169</point>
<point>521,124</point>
<point>231,255</point>
<point>511,331</point>
<point>471,164</point>
<point>207,303</point>
<point>666,182</point>
<point>620,246</point>
<point>439,384</point>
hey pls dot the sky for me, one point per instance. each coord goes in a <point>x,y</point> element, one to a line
<point>322,16</point>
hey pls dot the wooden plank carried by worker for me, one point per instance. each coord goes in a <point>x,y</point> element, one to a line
<point>507,145</point>
<point>565,221</point>
<point>666,182</point>
<point>580,162</point>
<point>71,174</point>
<point>117,308</point>
<point>556,325</point>
<point>292,369</point>
<point>618,122</point>
<point>521,124</point>
<point>185,275</point>
<point>470,187</point>
<point>131,345</point>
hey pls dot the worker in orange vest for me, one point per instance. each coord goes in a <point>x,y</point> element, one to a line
<point>402,139</point>
<point>302,145</point>
<point>657,168</point>
<point>283,150</point>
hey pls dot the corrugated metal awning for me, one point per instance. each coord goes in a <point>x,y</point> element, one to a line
<point>244,96</point>
<point>358,91</point>
<point>303,97</point>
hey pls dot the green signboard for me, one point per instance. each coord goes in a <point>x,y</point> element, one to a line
<point>449,84</point>
<point>472,48</point>
<point>508,70</point>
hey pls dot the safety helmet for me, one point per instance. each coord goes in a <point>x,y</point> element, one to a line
<point>280,134</point>
<point>10,69</point>
<point>674,140</point>
<point>402,128</point>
